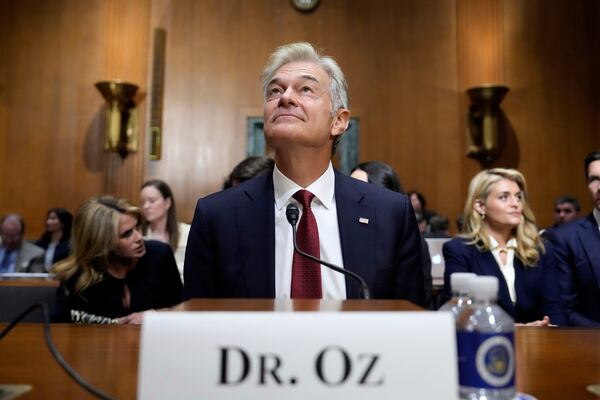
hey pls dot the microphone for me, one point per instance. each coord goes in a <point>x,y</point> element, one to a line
<point>292,213</point>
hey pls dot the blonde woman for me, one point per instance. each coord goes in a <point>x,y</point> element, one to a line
<point>502,240</point>
<point>113,274</point>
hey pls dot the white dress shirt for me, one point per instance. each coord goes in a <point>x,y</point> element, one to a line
<point>597,216</point>
<point>325,211</point>
<point>508,270</point>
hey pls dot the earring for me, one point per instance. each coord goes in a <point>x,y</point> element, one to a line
<point>482,216</point>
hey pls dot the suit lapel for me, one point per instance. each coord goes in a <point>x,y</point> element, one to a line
<point>488,266</point>
<point>358,240</point>
<point>255,220</point>
<point>589,236</point>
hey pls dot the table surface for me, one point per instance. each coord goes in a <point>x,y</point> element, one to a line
<point>28,282</point>
<point>552,363</point>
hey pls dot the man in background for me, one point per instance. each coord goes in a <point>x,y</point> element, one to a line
<point>17,255</point>
<point>566,209</point>
<point>577,252</point>
<point>240,244</point>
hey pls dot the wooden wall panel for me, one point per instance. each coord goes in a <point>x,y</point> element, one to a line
<point>407,62</point>
<point>481,38</point>
<point>53,123</point>
<point>4,32</point>
<point>411,98</point>
<point>480,49</point>
<point>50,66</point>
<point>126,50</point>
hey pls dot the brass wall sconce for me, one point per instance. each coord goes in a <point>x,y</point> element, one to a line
<point>121,117</point>
<point>483,126</point>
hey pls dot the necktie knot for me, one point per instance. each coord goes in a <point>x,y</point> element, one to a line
<point>304,197</point>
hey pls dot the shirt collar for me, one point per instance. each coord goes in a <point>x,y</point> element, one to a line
<point>511,244</point>
<point>323,188</point>
<point>597,216</point>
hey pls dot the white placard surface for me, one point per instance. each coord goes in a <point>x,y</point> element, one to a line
<point>298,355</point>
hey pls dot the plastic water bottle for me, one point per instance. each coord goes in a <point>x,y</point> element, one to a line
<point>485,343</point>
<point>460,284</point>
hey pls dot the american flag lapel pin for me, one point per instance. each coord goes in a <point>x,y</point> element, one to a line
<point>363,220</point>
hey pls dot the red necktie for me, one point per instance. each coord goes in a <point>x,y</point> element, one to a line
<point>306,274</point>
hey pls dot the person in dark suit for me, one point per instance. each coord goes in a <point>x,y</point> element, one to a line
<point>577,252</point>
<point>240,243</point>
<point>502,240</point>
<point>56,240</point>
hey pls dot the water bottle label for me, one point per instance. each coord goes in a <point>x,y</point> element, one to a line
<point>486,360</point>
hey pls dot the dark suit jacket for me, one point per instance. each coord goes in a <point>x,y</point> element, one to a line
<point>538,293</point>
<point>62,250</point>
<point>231,246</point>
<point>577,252</point>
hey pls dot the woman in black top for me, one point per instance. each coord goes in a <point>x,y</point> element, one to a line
<point>113,275</point>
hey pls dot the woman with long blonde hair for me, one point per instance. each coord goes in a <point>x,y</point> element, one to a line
<point>501,239</point>
<point>113,274</point>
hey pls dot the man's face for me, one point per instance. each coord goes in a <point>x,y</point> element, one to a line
<point>12,234</point>
<point>564,212</point>
<point>297,110</point>
<point>594,181</point>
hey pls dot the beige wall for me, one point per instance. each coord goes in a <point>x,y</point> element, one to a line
<point>407,63</point>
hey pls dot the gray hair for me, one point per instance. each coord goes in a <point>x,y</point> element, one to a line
<point>570,200</point>
<point>338,88</point>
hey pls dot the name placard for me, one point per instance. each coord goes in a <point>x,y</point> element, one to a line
<point>308,355</point>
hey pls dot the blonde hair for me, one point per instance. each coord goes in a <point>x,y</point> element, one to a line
<point>95,233</point>
<point>529,243</point>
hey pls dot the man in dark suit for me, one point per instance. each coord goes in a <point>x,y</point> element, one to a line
<point>240,243</point>
<point>577,253</point>
<point>537,292</point>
